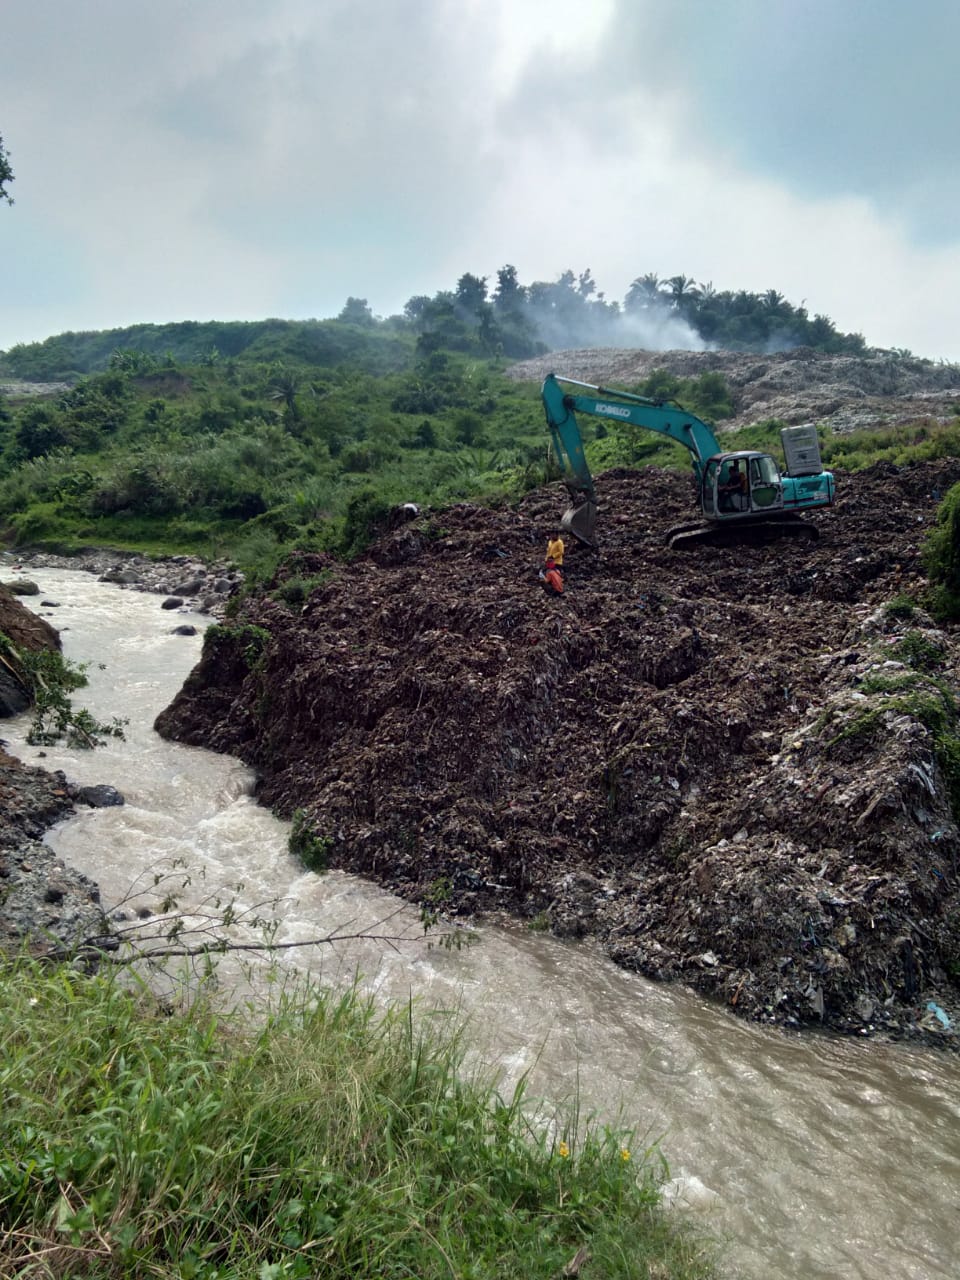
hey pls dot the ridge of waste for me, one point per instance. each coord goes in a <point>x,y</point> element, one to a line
<point>700,760</point>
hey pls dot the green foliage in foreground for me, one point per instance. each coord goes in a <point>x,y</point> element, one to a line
<point>49,679</point>
<point>327,1139</point>
<point>942,558</point>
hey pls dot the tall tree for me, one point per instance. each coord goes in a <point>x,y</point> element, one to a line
<point>683,290</point>
<point>6,174</point>
<point>415,307</point>
<point>357,311</point>
<point>472,292</point>
<point>509,295</point>
<point>644,292</point>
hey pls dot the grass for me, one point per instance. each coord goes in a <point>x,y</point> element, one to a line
<point>325,1139</point>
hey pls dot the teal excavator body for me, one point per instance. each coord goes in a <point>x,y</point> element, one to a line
<point>742,495</point>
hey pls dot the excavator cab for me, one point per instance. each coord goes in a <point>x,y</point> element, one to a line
<point>740,484</point>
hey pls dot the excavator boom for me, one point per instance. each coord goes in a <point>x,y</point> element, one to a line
<point>580,518</point>
<point>756,495</point>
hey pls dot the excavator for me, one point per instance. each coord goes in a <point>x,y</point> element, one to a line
<point>742,495</point>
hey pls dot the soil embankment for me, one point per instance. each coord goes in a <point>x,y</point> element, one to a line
<point>727,766</point>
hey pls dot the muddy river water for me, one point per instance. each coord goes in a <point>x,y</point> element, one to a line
<point>811,1157</point>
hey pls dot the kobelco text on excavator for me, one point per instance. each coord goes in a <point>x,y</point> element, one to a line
<point>742,495</point>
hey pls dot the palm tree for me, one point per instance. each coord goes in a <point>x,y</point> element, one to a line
<point>682,289</point>
<point>643,293</point>
<point>284,386</point>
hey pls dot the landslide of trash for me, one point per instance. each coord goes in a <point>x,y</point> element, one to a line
<point>737,768</point>
<point>841,393</point>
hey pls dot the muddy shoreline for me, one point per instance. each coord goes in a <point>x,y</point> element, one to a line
<point>43,901</point>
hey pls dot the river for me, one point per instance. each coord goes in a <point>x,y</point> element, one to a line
<point>812,1157</point>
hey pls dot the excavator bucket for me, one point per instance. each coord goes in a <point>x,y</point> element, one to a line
<point>581,520</point>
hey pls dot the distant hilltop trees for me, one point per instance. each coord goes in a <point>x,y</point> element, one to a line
<point>508,320</point>
<point>517,320</point>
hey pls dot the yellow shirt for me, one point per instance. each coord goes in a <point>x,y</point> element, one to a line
<point>555,549</point>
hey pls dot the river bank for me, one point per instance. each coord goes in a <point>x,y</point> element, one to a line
<point>41,898</point>
<point>704,829</point>
<point>734,769</point>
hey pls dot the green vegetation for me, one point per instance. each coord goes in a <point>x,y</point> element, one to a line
<point>48,679</point>
<point>942,559</point>
<point>925,441</point>
<point>901,607</point>
<point>328,1139</point>
<point>915,693</point>
<point>508,320</point>
<point>304,843</point>
<point>252,460</point>
<point>916,650</point>
<point>253,440</point>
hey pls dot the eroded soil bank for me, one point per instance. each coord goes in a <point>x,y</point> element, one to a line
<point>732,767</point>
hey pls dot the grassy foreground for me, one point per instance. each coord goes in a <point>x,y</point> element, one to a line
<point>328,1139</point>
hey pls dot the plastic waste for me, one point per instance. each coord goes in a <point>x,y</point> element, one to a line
<point>686,1191</point>
<point>939,1015</point>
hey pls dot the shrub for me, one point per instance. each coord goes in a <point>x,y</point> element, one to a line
<point>901,607</point>
<point>365,520</point>
<point>941,557</point>
<point>304,843</point>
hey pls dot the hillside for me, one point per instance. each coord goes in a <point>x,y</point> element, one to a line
<point>739,769</point>
<point>842,393</point>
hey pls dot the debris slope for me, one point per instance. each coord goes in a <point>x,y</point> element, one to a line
<point>733,768</point>
<point>840,393</point>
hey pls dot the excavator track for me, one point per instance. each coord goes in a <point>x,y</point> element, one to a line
<point>686,537</point>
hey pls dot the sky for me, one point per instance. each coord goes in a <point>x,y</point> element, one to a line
<point>236,160</point>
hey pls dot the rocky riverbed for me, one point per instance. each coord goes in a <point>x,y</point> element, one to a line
<point>43,902</point>
<point>41,899</point>
<point>179,579</point>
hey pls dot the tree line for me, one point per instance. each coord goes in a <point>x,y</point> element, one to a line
<point>510,321</point>
<point>515,320</point>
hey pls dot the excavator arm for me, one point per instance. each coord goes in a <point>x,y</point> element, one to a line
<point>770,498</point>
<point>664,417</point>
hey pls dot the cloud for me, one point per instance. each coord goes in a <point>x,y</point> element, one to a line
<point>205,159</point>
<point>829,99</point>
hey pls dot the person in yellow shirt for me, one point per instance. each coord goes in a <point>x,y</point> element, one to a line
<point>555,550</point>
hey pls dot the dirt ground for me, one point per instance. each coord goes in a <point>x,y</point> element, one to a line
<point>685,756</point>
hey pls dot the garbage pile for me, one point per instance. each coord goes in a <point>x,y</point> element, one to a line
<point>840,393</point>
<point>732,767</point>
